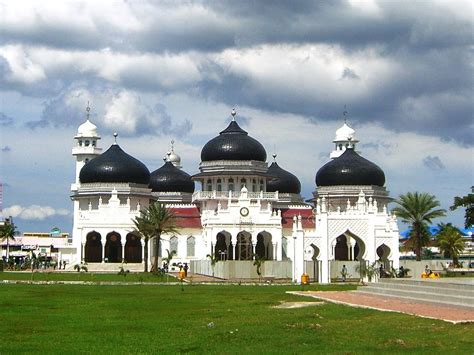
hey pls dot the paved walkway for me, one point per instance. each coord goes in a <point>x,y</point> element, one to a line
<point>392,304</point>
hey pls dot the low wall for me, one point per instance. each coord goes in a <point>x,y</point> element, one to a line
<point>236,269</point>
<point>418,267</point>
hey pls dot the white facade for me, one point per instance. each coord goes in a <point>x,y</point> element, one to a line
<point>234,218</point>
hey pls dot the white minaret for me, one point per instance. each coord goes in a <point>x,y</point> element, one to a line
<point>345,137</point>
<point>86,144</point>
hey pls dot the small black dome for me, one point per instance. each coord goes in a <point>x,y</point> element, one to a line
<point>350,169</point>
<point>283,180</point>
<point>169,178</point>
<point>233,143</point>
<point>114,165</point>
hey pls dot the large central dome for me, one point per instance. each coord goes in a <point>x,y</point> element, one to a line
<point>233,143</point>
<point>350,169</point>
<point>115,165</point>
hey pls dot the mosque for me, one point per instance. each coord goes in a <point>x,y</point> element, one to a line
<point>243,209</point>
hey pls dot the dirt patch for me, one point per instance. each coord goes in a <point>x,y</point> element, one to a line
<point>290,305</point>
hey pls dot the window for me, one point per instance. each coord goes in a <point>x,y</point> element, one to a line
<point>231,184</point>
<point>174,244</point>
<point>80,142</point>
<point>340,146</point>
<point>284,248</point>
<point>254,185</point>
<point>93,143</point>
<point>86,160</point>
<point>190,246</point>
<point>87,142</point>
<point>209,185</point>
<point>261,185</point>
<point>219,185</point>
<point>243,182</point>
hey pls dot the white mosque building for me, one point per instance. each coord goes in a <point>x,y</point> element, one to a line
<point>244,209</point>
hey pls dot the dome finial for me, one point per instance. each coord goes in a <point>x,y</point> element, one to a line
<point>233,113</point>
<point>115,137</point>
<point>172,145</point>
<point>344,113</point>
<point>274,157</point>
<point>88,109</point>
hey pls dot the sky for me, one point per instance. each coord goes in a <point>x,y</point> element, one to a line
<point>156,71</point>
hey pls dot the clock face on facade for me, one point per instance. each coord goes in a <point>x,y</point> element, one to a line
<point>244,211</point>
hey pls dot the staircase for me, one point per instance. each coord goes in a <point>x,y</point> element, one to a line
<point>432,291</point>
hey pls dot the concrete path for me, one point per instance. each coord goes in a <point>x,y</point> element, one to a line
<point>392,304</point>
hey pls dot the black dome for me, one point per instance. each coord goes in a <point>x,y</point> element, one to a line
<point>114,165</point>
<point>283,180</point>
<point>169,178</point>
<point>350,169</point>
<point>233,143</point>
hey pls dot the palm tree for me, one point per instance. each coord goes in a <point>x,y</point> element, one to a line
<point>450,242</point>
<point>158,220</point>
<point>169,256</point>
<point>7,232</point>
<point>418,210</point>
<point>145,230</point>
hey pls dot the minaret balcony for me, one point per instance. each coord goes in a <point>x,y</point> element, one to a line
<point>222,195</point>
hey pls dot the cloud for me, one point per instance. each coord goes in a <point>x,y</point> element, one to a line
<point>6,149</point>
<point>433,163</point>
<point>33,212</point>
<point>5,120</point>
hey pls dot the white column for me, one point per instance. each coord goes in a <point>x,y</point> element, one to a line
<point>103,246</point>
<point>123,240</point>
<point>274,245</point>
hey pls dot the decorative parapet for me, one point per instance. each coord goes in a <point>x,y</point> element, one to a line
<point>220,195</point>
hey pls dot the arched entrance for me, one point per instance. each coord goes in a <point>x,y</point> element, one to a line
<point>264,247</point>
<point>341,251</point>
<point>383,252</point>
<point>133,249</point>
<point>93,249</point>
<point>222,249</point>
<point>349,247</point>
<point>243,248</point>
<point>113,248</point>
<point>316,263</point>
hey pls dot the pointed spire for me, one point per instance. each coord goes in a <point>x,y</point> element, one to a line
<point>88,110</point>
<point>233,113</point>
<point>344,113</point>
<point>115,138</point>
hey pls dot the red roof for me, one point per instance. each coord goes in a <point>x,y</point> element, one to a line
<point>187,217</point>
<point>307,218</point>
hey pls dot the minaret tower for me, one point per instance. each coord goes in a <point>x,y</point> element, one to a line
<point>86,144</point>
<point>345,138</point>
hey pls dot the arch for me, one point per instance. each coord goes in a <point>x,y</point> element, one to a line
<point>133,249</point>
<point>113,248</point>
<point>243,248</point>
<point>222,249</point>
<point>264,247</point>
<point>174,244</point>
<point>190,246</point>
<point>345,250</point>
<point>93,249</point>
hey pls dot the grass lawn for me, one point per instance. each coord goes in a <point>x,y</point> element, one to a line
<point>85,276</point>
<point>210,319</point>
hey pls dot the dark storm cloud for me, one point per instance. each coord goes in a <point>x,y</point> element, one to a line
<point>431,93</point>
<point>433,163</point>
<point>5,120</point>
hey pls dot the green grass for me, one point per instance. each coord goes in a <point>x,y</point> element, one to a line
<point>86,277</point>
<point>207,319</point>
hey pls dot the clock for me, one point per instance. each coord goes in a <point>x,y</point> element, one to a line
<point>244,211</point>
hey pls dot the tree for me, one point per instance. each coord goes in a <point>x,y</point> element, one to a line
<point>7,233</point>
<point>144,229</point>
<point>258,262</point>
<point>450,242</point>
<point>169,256</point>
<point>468,203</point>
<point>157,220</point>
<point>418,210</point>
<point>214,261</point>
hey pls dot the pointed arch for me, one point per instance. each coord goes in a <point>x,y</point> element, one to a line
<point>133,249</point>
<point>113,248</point>
<point>93,248</point>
